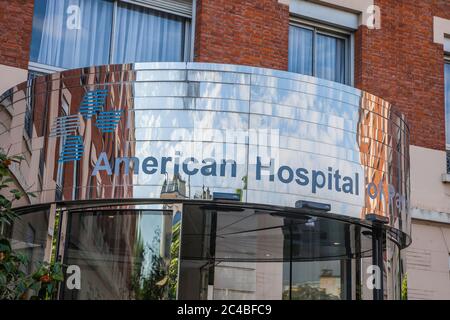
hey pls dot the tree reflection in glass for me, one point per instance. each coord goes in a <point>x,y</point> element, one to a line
<point>124,254</point>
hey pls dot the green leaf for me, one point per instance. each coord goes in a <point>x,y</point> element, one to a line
<point>9,266</point>
<point>22,258</point>
<point>21,288</point>
<point>18,157</point>
<point>58,277</point>
<point>39,273</point>
<point>17,194</point>
<point>6,221</point>
<point>5,246</point>
<point>35,286</point>
<point>2,279</point>
<point>50,288</point>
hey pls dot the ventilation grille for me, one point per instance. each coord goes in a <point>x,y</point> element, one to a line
<point>181,7</point>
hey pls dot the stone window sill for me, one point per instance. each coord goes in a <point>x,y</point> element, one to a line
<point>446,178</point>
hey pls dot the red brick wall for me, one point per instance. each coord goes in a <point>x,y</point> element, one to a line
<point>245,32</point>
<point>401,63</point>
<point>16,18</point>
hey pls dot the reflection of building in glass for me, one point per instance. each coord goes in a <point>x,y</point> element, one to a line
<point>204,194</point>
<point>119,254</point>
<point>375,149</point>
<point>174,188</point>
<point>330,283</point>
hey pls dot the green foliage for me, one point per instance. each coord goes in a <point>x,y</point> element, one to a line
<point>149,280</point>
<point>14,282</point>
<point>7,214</point>
<point>308,292</point>
<point>405,287</point>
<point>173,266</point>
<point>240,192</point>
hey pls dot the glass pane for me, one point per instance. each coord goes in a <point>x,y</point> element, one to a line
<point>237,253</point>
<point>28,237</point>
<point>330,58</point>
<point>123,254</point>
<point>447,100</point>
<point>300,50</point>
<point>143,34</point>
<point>315,280</point>
<point>71,33</point>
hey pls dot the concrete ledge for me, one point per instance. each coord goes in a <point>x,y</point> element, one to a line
<point>362,7</point>
<point>422,214</point>
<point>446,178</point>
<point>441,30</point>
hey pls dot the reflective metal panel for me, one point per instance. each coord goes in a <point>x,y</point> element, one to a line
<point>188,130</point>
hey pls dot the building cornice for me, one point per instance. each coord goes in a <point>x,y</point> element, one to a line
<point>362,7</point>
<point>441,32</point>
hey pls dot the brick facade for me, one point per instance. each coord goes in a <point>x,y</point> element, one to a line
<point>401,63</point>
<point>16,19</point>
<point>245,32</point>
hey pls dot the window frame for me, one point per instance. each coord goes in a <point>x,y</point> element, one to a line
<point>447,127</point>
<point>447,121</point>
<point>187,52</point>
<point>336,32</point>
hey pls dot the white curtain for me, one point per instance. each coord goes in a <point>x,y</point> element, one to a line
<point>146,35</point>
<point>330,58</point>
<point>329,54</point>
<point>301,50</point>
<point>75,33</point>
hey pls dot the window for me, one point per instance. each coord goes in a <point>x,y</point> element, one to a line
<point>147,35</point>
<point>447,108</point>
<point>320,51</point>
<point>70,34</point>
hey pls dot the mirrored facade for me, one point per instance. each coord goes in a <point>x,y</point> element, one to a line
<point>174,176</point>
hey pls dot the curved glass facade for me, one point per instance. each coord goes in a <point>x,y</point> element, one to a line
<point>175,180</point>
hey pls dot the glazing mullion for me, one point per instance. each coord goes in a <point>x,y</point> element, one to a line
<point>314,48</point>
<point>113,33</point>
<point>186,41</point>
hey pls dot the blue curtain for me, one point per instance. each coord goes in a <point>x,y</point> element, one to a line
<point>301,50</point>
<point>330,58</point>
<point>72,33</point>
<point>146,35</point>
<point>447,100</point>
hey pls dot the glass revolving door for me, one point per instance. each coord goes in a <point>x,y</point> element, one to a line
<point>204,250</point>
<point>247,253</point>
